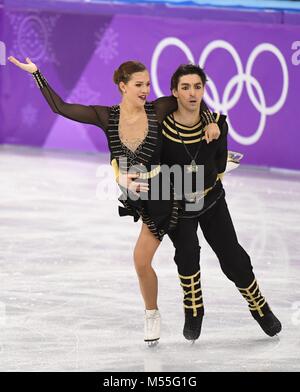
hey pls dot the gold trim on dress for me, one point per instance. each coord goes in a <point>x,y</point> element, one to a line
<point>115,167</point>
<point>39,79</point>
<point>150,174</point>
<point>143,176</point>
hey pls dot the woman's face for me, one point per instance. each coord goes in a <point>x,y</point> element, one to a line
<point>137,89</point>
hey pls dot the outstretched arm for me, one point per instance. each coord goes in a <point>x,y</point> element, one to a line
<point>97,115</point>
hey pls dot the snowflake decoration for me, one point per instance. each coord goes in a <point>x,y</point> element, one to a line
<point>29,115</point>
<point>31,36</point>
<point>84,94</point>
<point>107,44</point>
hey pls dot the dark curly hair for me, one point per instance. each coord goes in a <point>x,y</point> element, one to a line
<point>187,69</point>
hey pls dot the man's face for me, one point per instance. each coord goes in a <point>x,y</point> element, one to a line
<point>189,92</point>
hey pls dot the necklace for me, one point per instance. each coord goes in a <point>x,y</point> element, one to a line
<point>133,143</point>
<point>192,167</point>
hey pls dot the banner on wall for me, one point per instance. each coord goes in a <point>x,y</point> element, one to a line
<point>253,78</point>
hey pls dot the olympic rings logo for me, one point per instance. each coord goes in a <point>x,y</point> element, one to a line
<point>225,104</point>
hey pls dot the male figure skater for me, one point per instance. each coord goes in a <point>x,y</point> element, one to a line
<point>183,145</point>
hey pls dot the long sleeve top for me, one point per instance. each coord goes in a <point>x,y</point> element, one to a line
<point>184,144</point>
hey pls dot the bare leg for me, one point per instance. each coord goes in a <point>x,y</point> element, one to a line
<point>144,251</point>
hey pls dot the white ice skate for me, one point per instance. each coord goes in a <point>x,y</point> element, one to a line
<point>152,327</point>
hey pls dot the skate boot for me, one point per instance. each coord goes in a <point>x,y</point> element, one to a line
<point>193,306</point>
<point>260,309</point>
<point>152,327</point>
<point>192,324</point>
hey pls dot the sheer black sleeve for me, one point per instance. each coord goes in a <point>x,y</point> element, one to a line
<point>96,115</point>
<point>166,105</point>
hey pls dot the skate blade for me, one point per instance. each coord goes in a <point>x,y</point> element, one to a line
<point>151,343</point>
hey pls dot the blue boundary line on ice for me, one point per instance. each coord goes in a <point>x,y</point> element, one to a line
<point>283,5</point>
<point>267,5</point>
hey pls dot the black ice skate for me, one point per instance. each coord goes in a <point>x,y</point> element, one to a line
<point>193,305</point>
<point>193,324</point>
<point>260,310</point>
<point>268,322</point>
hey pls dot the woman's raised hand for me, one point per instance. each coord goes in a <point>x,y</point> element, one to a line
<point>29,67</point>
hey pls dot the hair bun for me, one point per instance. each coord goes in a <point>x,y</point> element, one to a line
<point>116,77</point>
<point>125,70</point>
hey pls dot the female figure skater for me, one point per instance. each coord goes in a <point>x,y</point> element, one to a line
<point>133,132</point>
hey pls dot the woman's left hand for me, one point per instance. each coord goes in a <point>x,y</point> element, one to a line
<point>212,132</point>
<point>29,66</point>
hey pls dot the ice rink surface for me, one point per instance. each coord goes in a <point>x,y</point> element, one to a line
<point>69,298</point>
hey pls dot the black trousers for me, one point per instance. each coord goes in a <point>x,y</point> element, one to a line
<point>219,232</point>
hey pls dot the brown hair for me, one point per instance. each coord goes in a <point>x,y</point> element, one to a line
<point>125,70</point>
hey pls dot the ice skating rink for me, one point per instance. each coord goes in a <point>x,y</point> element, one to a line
<point>69,298</point>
